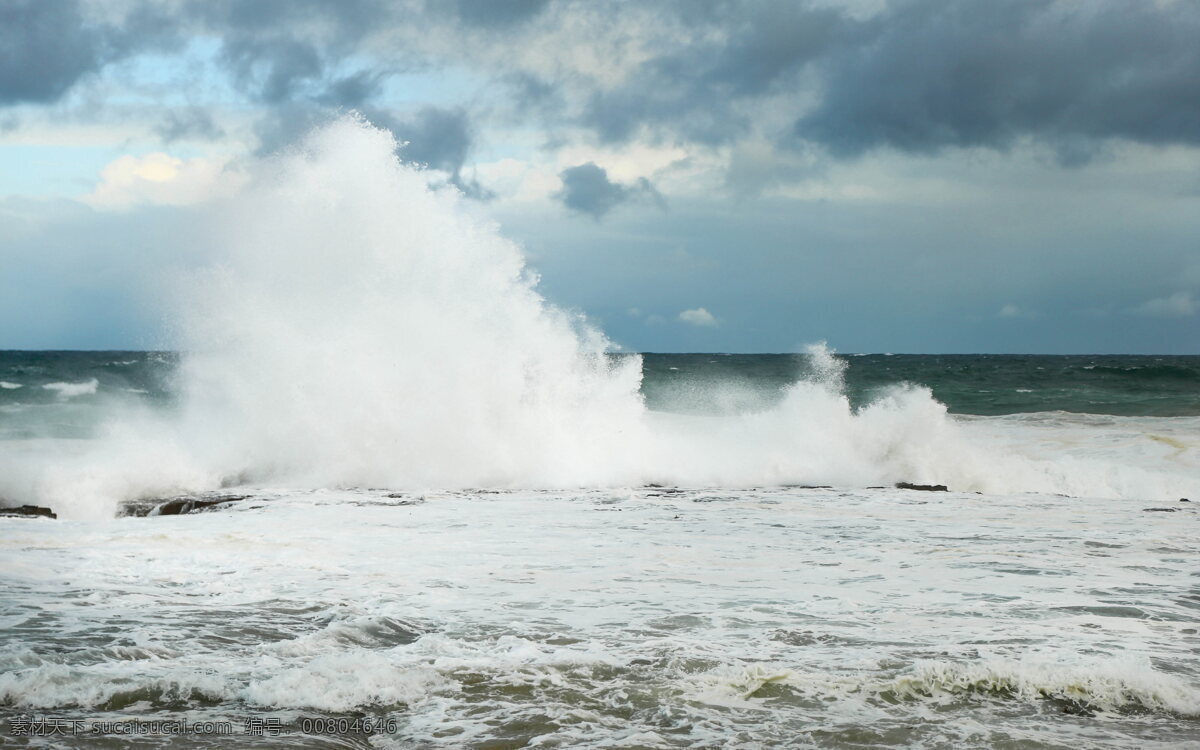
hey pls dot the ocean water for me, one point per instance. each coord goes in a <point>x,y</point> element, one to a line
<point>448,509</point>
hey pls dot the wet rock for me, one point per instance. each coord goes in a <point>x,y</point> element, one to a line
<point>27,511</point>
<point>180,505</point>
<point>403,499</point>
<point>922,487</point>
<point>660,491</point>
<point>1076,708</point>
<point>176,506</point>
<point>1159,510</point>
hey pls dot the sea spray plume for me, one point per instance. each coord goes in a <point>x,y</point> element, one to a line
<point>815,436</point>
<point>824,367</point>
<point>359,328</point>
<point>363,328</point>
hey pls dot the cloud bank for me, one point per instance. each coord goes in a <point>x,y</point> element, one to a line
<point>933,171</point>
<point>915,75</point>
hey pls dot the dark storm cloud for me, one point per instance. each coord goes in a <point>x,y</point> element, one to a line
<point>45,47</point>
<point>287,123</point>
<point>38,61</point>
<point>439,138</point>
<point>338,22</point>
<point>284,50</point>
<point>272,70</point>
<point>737,52</point>
<point>192,122</point>
<point>433,137</point>
<point>498,12</point>
<point>353,90</point>
<point>923,75</point>
<point>436,137</point>
<point>270,47</point>
<point>918,76</point>
<point>933,74</point>
<point>587,189</point>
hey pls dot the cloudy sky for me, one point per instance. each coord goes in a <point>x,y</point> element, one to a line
<point>696,175</point>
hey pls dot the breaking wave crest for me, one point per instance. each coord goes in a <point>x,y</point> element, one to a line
<point>311,674</point>
<point>71,390</point>
<point>1118,686</point>
<point>1105,687</point>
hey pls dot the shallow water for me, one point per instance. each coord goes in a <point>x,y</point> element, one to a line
<point>635,618</point>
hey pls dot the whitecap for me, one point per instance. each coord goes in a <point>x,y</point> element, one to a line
<point>71,390</point>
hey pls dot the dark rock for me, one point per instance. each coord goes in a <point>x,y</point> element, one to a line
<point>180,505</point>
<point>1160,510</point>
<point>28,511</point>
<point>1184,500</point>
<point>399,499</point>
<point>662,491</point>
<point>1076,708</point>
<point>922,487</point>
<point>176,506</point>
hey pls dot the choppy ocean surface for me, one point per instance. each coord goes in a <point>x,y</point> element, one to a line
<point>390,485</point>
<point>48,394</point>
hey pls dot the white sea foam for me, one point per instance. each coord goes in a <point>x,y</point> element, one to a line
<point>359,328</point>
<point>1103,685</point>
<point>322,683</point>
<point>710,617</point>
<point>1108,685</point>
<point>9,386</point>
<point>71,390</point>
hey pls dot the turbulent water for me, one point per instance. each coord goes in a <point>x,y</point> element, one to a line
<point>465,518</point>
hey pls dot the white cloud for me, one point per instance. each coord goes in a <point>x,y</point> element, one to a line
<point>161,179</point>
<point>698,317</point>
<point>1177,305</point>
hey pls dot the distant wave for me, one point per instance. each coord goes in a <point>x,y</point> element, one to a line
<point>1148,372</point>
<point>9,386</point>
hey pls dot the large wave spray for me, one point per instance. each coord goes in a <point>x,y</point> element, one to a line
<point>365,329</point>
<point>359,328</point>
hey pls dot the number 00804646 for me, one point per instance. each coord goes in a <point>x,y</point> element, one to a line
<point>348,726</point>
